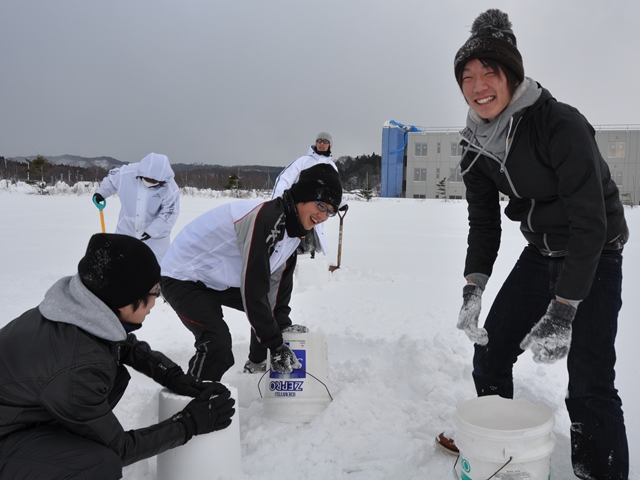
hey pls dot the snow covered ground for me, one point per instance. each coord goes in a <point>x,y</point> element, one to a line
<point>397,365</point>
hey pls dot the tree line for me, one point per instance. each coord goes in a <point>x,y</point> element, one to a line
<point>356,173</point>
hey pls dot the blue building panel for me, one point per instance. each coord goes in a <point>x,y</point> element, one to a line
<point>394,145</point>
<point>392,161</point>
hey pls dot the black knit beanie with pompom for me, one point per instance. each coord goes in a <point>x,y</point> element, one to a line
<point>491,38</point>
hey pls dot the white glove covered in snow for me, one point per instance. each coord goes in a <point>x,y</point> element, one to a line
<point>470,312</point>
<point>295,328</point>
<point>550,338</point>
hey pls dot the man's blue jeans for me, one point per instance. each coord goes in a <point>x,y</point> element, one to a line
<point>598,436</point>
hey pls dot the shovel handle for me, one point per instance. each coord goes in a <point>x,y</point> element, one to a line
<point>100,206</point>
<point>104,230</point>
<point>342,211</point>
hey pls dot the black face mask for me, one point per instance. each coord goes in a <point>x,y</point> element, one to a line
<point>324,154</point>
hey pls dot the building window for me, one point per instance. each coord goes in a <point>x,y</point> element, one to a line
<point>619,179</point>
<point>438,147</point>
<point>454,175</point>
<point>616,149</point>
<point>456,149</point>
<point>419,196</point>
<point>421,149</point>
<point>419,174</point>
<point>438,172</point>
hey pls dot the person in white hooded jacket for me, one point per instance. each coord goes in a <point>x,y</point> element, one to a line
<point>150,200</point>
<point>318,153</point>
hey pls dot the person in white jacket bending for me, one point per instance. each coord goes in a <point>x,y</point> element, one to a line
<point>150,200</point>
<point>241,255</point>
<point>318,153</point>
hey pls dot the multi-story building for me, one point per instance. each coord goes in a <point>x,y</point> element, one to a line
<point>420,162</point>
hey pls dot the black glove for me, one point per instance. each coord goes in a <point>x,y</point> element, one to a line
<point>550,338</point>
<point>295,328</point>
<point>179,382</point>
<point>470,312</point>
<point>145,236</point>
<point>206,413</point>
<point>97,198</point>
<point>283,360</point>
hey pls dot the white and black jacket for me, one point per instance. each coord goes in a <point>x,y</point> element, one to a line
<point>248,244</point>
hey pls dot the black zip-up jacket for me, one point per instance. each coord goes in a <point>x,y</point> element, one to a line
<point>560,190</point>
<point>63,372</point>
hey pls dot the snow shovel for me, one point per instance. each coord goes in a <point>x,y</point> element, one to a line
<point>342,209</point>
<point>101,206</point>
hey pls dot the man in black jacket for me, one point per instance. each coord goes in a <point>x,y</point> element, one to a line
<point>563,296</point>
<point>62,372</point>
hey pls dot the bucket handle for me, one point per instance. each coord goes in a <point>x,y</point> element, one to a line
<point>303,371</point>
<point>489,478</point>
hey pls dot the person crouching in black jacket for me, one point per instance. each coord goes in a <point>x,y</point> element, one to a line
<point>63,370</point>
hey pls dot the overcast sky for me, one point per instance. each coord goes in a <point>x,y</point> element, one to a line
<point>237,82</point>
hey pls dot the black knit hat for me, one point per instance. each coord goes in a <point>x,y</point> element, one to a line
<point>320,182</point>
<point>118,269</point>
<point>491,37</point>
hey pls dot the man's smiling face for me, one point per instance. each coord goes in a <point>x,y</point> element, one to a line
<point>485,90</point>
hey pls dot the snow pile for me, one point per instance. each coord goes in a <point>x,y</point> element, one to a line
<point>397,365</point>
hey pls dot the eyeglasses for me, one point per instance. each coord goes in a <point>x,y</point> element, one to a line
<point>156,293</point>
<point>322,140</point>
<point>324,208</point>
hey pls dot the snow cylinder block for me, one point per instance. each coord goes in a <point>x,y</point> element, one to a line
<point>311,272</point>
<point>299,396</point>
<point>213,456</point>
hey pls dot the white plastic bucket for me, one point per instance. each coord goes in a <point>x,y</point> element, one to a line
<point>512,437</point>
<point>213,456</point>
<point>299,396</point>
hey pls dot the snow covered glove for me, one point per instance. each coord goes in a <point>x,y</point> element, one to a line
<point>145,236</point>
<point>179,382</point>
<point>207,413</point>
<point>283,360</point>
<point>295,328</point>
<point>470,312</point>
<point>550,338</point>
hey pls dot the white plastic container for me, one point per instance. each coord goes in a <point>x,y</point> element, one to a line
<point>213,456</point>
<point>299,396</point>
<point>514,437</point>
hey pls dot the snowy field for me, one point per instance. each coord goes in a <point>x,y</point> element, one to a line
<point>397,365</point>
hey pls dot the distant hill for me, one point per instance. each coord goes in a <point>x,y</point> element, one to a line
<point>76,161</point>
<point>355,173</point>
